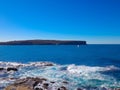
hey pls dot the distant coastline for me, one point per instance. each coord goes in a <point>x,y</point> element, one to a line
<point>44,42</point>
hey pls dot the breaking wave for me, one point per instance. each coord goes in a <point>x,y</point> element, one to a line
<point>76,75</point>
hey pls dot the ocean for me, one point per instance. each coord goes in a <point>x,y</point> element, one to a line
<point>84,66</point>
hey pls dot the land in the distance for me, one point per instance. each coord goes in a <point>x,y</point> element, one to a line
<point>44,42</point>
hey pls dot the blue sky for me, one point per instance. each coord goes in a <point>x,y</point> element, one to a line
<point>96,21</point>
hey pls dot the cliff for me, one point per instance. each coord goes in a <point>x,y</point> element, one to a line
<point>44,42</point>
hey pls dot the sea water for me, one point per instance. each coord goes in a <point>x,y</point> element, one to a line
<point>83,66</point>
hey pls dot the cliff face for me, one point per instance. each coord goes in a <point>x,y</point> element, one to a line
<point>44,42</point>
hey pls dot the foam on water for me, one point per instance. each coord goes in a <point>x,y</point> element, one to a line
<point>76,75</point>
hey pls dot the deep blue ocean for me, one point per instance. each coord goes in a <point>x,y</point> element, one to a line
<point>86,65</point>
<point>92,55</point>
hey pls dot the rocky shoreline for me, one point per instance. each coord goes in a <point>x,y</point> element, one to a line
<point>38,83</point>
<point>11,72</point>
<point>30,83</point>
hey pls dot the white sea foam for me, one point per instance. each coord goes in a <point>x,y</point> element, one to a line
<point>10,64</point>
<point>87,69</point>
<point>15,64</point>
<point>40,63</point>
<point>77,75</point>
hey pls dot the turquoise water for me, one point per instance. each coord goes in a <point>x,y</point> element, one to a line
<point>84,66</point>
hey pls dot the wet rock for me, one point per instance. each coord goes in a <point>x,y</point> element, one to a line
<point>36,83</point>
<point>49,64</point>
<point>58,88</point>
<point>45,85</point>
<point>62,88</point>
<point>12,69</point>
<point>38,89</point>
<point>65,82</point>
<point>79,89</point>
<point>1,69</point>
<point>30,83</point>
<point>52,82</point>
<point>23,84</point>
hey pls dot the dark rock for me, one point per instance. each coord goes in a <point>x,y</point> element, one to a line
<point>50,64</point>
<point>36,83</point>
<point>65,82</point>
<point>45,85</point>
<point>1,69</point>
<point>62,88</point>
<point>33,84</point>
<point>38,89</point>
<point>79,89</point>
<point>52,82</point>
<point>12,69</point>
<point>58,88</point>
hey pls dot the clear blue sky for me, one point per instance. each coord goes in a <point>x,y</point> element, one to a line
<point>96,21</point>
